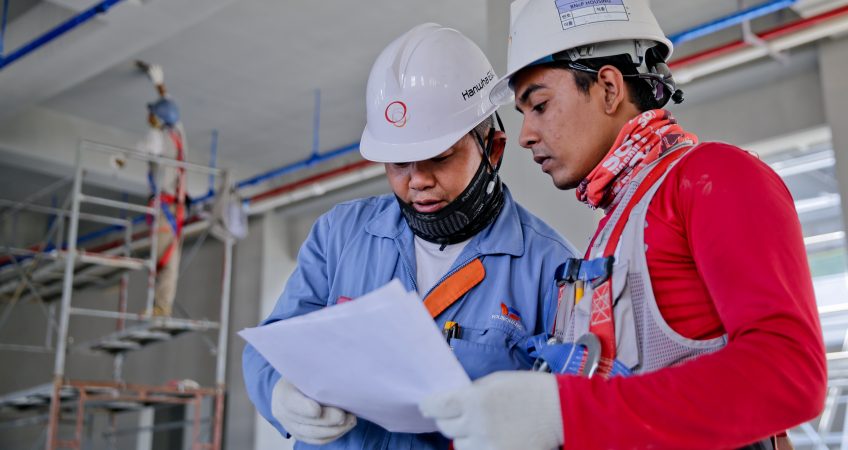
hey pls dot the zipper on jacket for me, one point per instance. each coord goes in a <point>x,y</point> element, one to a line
<point>405,263</point>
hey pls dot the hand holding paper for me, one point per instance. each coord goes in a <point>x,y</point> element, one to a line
<point>376,357</point>
<point>306,419</point>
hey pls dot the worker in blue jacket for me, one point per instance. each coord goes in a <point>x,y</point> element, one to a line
<point>452,232</point>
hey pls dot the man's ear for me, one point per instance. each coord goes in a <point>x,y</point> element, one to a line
<point>498,146</point>
<point>614,86</point>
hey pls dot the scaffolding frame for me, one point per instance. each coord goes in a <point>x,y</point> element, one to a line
<point>105,266</point>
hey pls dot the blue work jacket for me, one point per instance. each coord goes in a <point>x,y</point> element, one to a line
<point>363,244</point>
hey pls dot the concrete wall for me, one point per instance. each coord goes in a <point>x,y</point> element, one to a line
<point>277,264</point>
<point>248,264</point>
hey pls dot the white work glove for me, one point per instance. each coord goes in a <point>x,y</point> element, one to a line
<point>502,411</point>
<point>306,419</point>
<point>157,76</point>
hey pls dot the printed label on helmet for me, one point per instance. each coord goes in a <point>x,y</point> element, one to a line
<point>576,13</point>
<point>484,81</point>
<point>396,114</point>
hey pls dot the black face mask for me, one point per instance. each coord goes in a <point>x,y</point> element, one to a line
<point>474,209</point>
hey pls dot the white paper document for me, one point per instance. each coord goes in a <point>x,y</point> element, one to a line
<point>377,357</point>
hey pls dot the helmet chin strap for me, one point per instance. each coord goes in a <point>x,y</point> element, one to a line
<point>486,146</point>
<point>651,67</point>
<point>665,88</point>
<point>472,211</point>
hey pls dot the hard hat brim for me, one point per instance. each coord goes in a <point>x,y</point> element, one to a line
<point>501,93</point>
<point>375,150</point>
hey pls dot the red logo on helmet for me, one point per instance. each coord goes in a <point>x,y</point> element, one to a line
<point>396,114</point>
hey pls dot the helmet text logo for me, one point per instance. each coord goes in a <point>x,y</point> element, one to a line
<point>468,93</point>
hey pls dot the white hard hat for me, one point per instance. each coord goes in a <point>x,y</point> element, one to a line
<point>590,29</point>
<point>426,90</point>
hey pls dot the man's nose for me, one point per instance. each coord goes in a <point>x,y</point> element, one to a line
<point>420,177</point>
<point>528,137</point>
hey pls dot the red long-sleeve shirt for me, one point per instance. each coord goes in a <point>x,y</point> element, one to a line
<point>725,254</point>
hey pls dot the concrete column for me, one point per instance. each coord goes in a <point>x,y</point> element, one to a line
<point>833,62</point>
<point>240,413</point>
<point>276,267</point>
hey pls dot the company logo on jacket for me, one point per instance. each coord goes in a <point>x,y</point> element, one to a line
<point>509,315</point>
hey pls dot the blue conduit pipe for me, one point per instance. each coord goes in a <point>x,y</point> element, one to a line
<point>730,20</point>
<point>242,184</point>
<point>213,161</point>
<point>59,30</point>
<point>105,231</point>
<point>312,160</point>
<point>302,164</point>
<point>3,25</point>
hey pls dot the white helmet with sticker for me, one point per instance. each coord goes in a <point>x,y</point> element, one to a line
<point>427,89</point>
<point>580,29</point>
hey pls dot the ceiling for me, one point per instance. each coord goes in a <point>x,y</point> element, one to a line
<point>250,68</point>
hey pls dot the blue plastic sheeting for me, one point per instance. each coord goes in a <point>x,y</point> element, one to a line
<point>731,20</point>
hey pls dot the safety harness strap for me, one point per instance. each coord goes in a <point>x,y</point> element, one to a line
<point>601,321</point>
<point>177,219</point>
<point>181,184</point>
<point>166,256</point>
<point>454,287</point>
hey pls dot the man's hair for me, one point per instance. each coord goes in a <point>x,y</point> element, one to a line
<point>641,92</point>
<point>482,128</point>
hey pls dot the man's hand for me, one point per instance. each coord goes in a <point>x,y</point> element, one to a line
<point>157,76</point>
<point>306,419</point>
<point>502,411</point>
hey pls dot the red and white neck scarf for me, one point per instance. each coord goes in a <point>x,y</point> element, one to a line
<point>643,140</point>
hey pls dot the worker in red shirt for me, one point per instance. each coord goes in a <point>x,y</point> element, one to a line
<point>691,323</point>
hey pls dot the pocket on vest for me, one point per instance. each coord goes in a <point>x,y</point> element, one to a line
<point>626,336</point>
<point>483,351</point>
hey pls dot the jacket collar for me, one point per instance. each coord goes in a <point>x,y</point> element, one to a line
<point>503,236</point>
